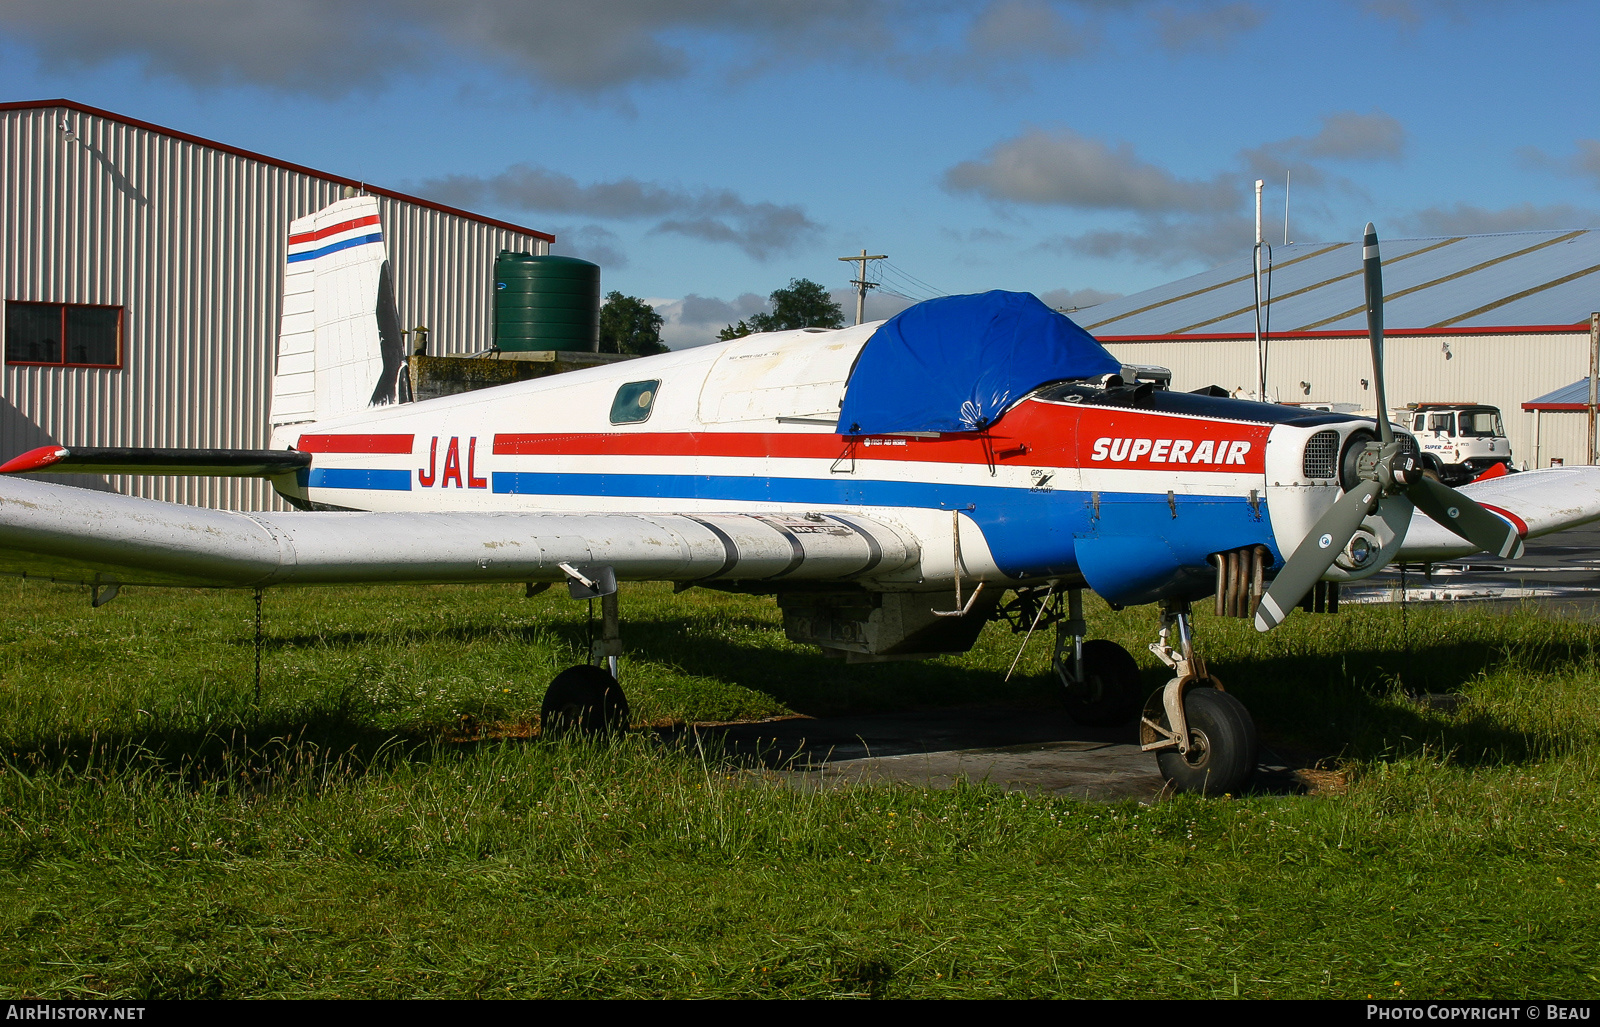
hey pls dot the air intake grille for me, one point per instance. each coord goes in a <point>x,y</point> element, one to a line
<point>1322,455</point>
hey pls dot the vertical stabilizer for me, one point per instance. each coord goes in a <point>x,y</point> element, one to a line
<point>339,347</point>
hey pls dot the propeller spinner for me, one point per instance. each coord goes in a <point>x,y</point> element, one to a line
<point>1386,470</point>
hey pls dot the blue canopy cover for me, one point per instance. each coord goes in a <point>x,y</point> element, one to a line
<point>957,363</point>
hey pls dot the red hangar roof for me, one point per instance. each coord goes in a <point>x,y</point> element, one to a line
<point>366,187</point>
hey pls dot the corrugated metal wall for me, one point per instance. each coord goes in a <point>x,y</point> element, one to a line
<point>1498,369</point>
<point>190,240</point>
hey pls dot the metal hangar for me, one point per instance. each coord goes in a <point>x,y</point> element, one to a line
<point>1488,319</point>
<point>141,281</point>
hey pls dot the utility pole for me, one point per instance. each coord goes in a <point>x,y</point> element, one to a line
<point>861,283</point>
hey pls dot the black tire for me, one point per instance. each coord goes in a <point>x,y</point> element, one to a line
<point>583,700</point>
<point>1222,743</point>
<point>1109,693</point>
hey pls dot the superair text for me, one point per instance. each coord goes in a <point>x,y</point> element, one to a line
<point>1170,451</point>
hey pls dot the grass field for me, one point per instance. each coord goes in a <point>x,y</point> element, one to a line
<point>381,825</point>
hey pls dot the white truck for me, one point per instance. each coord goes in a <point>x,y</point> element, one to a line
<point>1459,441</point>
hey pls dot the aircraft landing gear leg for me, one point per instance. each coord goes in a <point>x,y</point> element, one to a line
<point>587,699</point>
<point>607,650</point>
<point>1203,738</point>
<point>1101,677</point>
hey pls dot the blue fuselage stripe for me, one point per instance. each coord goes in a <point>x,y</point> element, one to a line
<point>335,247</point>
<point>359,478</point>
<point>1030,533</point>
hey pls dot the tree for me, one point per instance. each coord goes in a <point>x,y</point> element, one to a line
<point>629,325</point>
<point>804,304</point>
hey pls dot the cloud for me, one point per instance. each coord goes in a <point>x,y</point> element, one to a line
<point>1061,167</point>
<point>1583,163</point>
<point>1344,136</point>
<point>1169,220</point>
<point>1467,219</point>
<point>695,320</point>
<point>332,47</point>
<point>1164,241</point>
<point>715,215</point>
<point>1069,299</point>
<point>591,242</point>
<point>1024,28</point>
<point>974,236</point>
<point>1410,14</point>
<point>760,229</point>
<point>306,45</point>
<point>1210,30</point>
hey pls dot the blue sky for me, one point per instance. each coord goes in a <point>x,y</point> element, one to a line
<point>704,152</point>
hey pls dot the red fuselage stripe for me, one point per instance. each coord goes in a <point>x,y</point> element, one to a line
<point>1033,435</point>
<point>323,233</point>
<point>355,443</point>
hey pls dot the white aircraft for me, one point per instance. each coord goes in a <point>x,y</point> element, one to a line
<point>887,482</point>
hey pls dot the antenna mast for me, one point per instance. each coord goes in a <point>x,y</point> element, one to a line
<point>861,283</point>
<point>1261,356</point>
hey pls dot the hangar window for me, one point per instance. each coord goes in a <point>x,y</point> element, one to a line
<point>69,334</point>
<point>633,402</point>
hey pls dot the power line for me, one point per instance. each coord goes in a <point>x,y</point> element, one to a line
<point>861,282</point>
<point>914,280</point>
<point>901,286</point>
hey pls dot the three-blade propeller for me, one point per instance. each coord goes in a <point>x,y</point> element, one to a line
<point>1386,468</point>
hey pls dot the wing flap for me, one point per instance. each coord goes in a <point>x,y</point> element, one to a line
<point>77,535</point>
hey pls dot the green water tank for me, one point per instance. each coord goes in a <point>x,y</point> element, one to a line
<point>546,303</point>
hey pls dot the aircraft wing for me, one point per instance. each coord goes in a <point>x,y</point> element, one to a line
<point>1535,502</point>
<point>77,535</point>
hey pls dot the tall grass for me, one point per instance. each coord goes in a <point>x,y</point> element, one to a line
<point>381,825</point>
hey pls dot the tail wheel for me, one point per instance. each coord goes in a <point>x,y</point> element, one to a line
<point>1108,695</point>
<point>583,700</point>
<point>1222,743</point>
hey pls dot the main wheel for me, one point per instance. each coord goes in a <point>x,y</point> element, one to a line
<point>583,700</point>
<point>1108,695</point>
<point>1222,743</point>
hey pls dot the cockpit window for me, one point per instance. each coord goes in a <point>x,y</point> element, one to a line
<point>633,402</point>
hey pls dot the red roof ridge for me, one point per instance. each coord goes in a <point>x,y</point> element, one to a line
<point>366,187</point>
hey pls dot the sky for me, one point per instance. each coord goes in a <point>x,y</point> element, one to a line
<point>706,152</point>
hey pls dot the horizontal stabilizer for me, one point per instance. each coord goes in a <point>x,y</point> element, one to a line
<point>215,463</point>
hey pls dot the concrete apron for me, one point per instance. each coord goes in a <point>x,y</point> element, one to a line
<point>1010,749</point>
